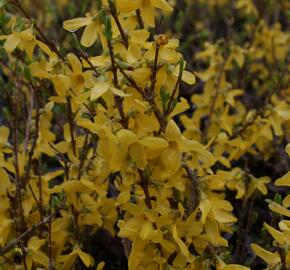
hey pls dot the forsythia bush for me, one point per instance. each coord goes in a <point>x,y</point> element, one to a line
<point>121,148</point>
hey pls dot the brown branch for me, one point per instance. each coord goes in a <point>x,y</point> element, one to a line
<point>83,55</point>
<point>216,86</point>
<point>38,169</point>
<point>155,68</point>
<point>139,19</point>
<point>194,191</point>
<point>117,21</point>
<point>71,125</point>
<point>62,158</point>
<point>118,99</point>
<point>29,120</point>
<point>83,156</point>
<point>144,184</point>
<point>19,184</point>
<point>50,259</point>
<point>147,96</point>
<point>282,255</point>
<point>130,79</point>
<point>169,105</point>
<point>35,137</point>
<point>49,43</point>
<point>16,241</point>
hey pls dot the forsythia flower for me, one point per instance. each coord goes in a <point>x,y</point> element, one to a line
<point>146,7</point>
<point>93,28</point>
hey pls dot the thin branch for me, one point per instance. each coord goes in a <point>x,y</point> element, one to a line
<point>216,86</point>
<point>155,68</point>
<point>139,19</point>
<point>117,21</point>
<point>118,99</point>
<point>144,184</point>
<point>71,125</point>
<point>83,155</point>
<point>130,79</point>
<point>50,259</point>
<point>194,191</point>
<point>19,184</point>
<point>49,43</point>
<point>16,241</point>
<point>169,105</point>
<point>282,255</point>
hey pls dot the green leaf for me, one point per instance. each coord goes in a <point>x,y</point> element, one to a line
<point>174,103</point>
<point>164,96</point>
<point>108,29</point>
<point>181,66</point>
<point>3,3</point>
<point>26,72</point>
<point>54,201</point>
<point>278,198</point>
<point>76,42</point>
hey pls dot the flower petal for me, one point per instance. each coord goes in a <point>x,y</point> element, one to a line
<point>90,34</point>
<point>269,257</point>
<point>75,24</point>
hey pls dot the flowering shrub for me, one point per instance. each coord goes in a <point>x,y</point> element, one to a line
<point>117,139</point>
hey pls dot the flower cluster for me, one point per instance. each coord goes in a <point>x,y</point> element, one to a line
<point>96,137</point>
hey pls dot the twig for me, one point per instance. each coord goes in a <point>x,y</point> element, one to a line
<point>144,184</point>
<point>50,44</point>
<point>34,142</point>
<point>130,79</point>
<point>83,156</point>
<point>19,183</point>
<point>139,18</point>
<point>169,105</point>
<point>149,94</point>
<point>194,192</point>
<point>14,242</point>
<point>27,131</point>
<point>155,68</point>
<point>283,257</point>
<point>117,21</point>
<point>38,169</point>
<point>50,259</point>
<point>62,158</point>
<point>216,86</point>
<point>118,100</point>
<point>71,125</point>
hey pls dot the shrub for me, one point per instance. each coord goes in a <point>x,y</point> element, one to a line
<point>122,149</point>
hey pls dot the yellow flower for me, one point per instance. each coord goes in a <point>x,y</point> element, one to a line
<point>167,50</point>
<point>284,180</point>
<point>277,208</point>
<point>101,87</point>
<point>287,149</point>
<point>272,259</point>
<point>4,135</point>
<point>93,29</point>
<point>26,41</point>
<point>78,78</point>
<point>278,236</point>
<point>146,7</point>
<point>68,260</point>
<point>35,255</point>
<point>137,40</point>
<point>258,184</point>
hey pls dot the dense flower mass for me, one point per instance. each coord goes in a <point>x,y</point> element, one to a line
<point>115,137</point>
